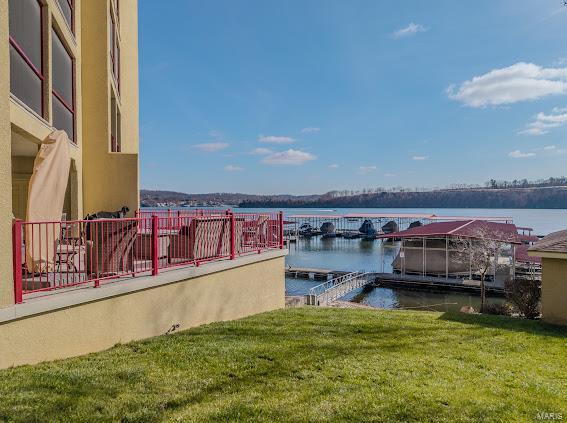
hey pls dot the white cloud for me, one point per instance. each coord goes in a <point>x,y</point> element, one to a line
<point>211,147</point>
<point>260,151</point>
<point>420,157</point>
<point>389,175</point>
<point>366,169</point>
<point>542,122</point>
<point>215,133</point>
<point>549,147</point>
<point>289,157</point>
<point>408,31</point>
<point>519,82</point>
<point>274,139</point>
<point>333,166</point>
<point>517,154</point>
<point>310,130</point>
<point>233,168</point>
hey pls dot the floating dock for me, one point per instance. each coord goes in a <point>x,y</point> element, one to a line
<point>394,280</point>
<point>418,282</point>
<point>313,273</point>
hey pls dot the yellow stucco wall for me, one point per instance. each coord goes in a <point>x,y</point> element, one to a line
<point>6,286</point>
<point>554,290</point>
<point>94,186</point>
<point>95,326</point>
<point>110,180</point>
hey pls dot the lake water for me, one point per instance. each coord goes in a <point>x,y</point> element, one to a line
<point>357,254</point>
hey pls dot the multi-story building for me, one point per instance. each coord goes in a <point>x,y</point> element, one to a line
<point>64,283</point>
<point>69,65</point>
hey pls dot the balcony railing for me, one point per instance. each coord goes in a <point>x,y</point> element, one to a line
<point>54,255</point>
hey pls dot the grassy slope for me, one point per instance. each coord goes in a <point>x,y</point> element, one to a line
<point>309,364</point>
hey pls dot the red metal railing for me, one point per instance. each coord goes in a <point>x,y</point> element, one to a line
<point>53,255</point>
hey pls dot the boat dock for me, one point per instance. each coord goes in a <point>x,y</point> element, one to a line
<point>419,282</point>
<point>366,225</point>
<point>313,273</point>
<point>394,280</point>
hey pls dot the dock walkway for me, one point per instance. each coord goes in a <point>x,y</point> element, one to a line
<point>325,293</point>
<point>394,280</point>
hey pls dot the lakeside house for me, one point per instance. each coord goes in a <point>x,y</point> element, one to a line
<point>69,98</point>
<point>552,250</point>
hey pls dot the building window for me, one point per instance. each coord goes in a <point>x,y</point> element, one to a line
<point>115,126</point>
<point>67,7</point>
<point>26,57</point>
<point>63,87</point>
<point>114,51</point>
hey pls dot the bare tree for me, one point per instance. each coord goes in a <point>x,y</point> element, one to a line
<point>482,248</point>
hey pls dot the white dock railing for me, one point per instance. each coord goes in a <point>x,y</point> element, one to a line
<point>336,288</point>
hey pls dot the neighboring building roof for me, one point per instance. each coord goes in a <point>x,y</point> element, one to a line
<point>555,242</point>
<point>505,232</point>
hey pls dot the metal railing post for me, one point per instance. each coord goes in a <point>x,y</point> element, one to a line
<point>232,236</point>
<point>17,260</point>
<point>281,229</point>
<point>155,245</point>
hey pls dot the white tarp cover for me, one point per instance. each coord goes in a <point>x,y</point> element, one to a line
<point>46,196</point>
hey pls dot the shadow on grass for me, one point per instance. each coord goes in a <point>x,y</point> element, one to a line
<point>535,327</point>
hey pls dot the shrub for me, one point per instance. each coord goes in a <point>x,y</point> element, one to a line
<point>504,309</point>
<point>525,294</point>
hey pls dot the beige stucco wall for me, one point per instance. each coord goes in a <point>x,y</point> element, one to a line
<point>6,285</point>
<point>94,326</point>
<point>554,290</point>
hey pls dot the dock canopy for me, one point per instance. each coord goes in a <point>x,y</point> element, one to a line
<point>503,232</point>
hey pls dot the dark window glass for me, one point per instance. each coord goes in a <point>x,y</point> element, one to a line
<point>118,132</point>
<point>63,118</point>
<point>62,71</point>
<point>117,65</point>
<point>67,11</point>
<point>24,83</point>
<point>25,28</point>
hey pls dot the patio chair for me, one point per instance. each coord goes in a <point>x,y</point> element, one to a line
<point>110,247</point>
<point>204,238</point>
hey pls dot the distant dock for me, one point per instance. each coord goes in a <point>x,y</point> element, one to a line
<point>313,273</point>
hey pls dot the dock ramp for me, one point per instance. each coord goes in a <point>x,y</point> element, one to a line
<point>334,289</point>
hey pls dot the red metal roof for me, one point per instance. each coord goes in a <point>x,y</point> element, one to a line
<point>522,255</point>
<point>528,238</point>
<point>505,232</point>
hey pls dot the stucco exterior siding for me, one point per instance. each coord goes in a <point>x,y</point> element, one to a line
<point>554,290</point>
<point>215,292</point>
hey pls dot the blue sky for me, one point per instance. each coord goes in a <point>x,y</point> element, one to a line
<point>306,96</point>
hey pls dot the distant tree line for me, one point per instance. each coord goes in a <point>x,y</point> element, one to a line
<point>536,198</point>
<point>524,183</point>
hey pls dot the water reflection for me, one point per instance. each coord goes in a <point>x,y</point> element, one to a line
<point>388,298</point>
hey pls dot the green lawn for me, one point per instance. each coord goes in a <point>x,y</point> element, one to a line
<point>309,364</point>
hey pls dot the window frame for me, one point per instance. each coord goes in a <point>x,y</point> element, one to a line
<point>71,24</point>
<point>29,63</point>
<point>115,46</point>
<point>71,108</point>
<point>116,129</point>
